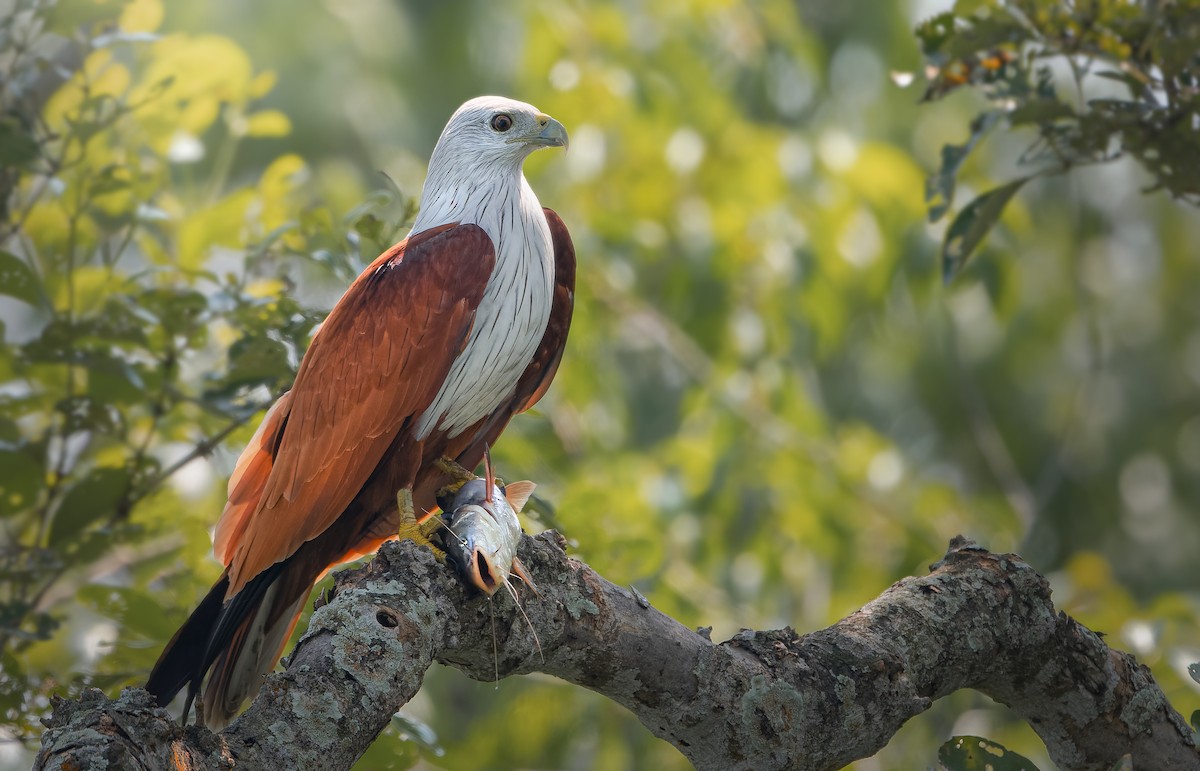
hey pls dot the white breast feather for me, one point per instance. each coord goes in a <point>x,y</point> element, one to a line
<point>515,309</point>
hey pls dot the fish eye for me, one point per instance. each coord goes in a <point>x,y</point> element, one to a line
<point>501,122</point>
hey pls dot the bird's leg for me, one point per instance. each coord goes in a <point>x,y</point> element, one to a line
<point>452,469</point>
<point>456,472</point>
<point>417,532</point>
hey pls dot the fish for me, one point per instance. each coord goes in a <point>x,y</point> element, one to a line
<point>481,533</point>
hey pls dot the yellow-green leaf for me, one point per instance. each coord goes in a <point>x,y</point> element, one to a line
<point>972,224</point>
<point>268,123</point>
<point>18,280</point>
<point>92,499</point>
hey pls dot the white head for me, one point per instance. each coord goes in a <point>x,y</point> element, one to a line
<point>479,153</point>
<point>493,130</point>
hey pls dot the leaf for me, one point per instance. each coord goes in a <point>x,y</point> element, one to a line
<point>1134,79</point>
<point>135,610</point>
<point>987,33</point>
<point>179,310</point>
<point>934,32</point>
<point>111,380</point>
<point>140,17</point>
<point>85,413</point>
<point>268,123</point>
<point>20,621</point>
<point>66,16</point>
<point>1039,111</point>
<point>57,343</point>
<point>369,226</point>
<point>18,280</point>
<point>93,498</point>
<point>256,360</point>
<point>260,249</point>
<point>123,321</point>
<point>972,753</point>
<point>939,187</point>
<point>261,84</point>
<point>110,179</point>
<point>13,696</point>
<point>21,478</point>
<point>87,342</point>
<point>17,147</point>
<point>973,224</point>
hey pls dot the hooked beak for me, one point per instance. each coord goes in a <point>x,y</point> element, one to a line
<point>553,134</point>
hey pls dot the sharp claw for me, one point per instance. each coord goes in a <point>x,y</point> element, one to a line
<point>417,532</point>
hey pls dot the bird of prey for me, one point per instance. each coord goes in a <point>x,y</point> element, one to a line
<point>432,350</point>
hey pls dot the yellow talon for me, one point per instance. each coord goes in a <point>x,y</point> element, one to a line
<point>453,470</point>
<point>458,473</point>
<point>417,532</point>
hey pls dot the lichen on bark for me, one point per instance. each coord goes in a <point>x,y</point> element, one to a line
<point>762,700</point>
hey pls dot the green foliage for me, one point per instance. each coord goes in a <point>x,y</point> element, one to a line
<point>128,353</point>
<point>972,225</point>
<point>971,753</point>
<point>1008,50</point>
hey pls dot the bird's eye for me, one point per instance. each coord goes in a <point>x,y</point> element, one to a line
<point>501,122</point>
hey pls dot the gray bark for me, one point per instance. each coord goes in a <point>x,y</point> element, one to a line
<point>762,700</point>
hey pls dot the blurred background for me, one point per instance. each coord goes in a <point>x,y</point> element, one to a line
<point>770,409</point>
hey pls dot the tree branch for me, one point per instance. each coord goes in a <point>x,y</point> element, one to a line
<point>762,700</point>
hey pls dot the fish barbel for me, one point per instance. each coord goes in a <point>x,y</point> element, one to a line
<point>482,532</point>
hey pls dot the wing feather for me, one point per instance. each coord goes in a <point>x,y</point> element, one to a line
<point>373,368</point>
<point>249,477</point>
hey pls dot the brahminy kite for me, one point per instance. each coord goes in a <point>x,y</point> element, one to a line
<point>432,350</point>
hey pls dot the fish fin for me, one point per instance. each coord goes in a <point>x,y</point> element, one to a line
<point>518,494</point>
<point>519,570</point>
<point>489,476</point>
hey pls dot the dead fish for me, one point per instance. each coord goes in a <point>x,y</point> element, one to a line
<point>481,533</point>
